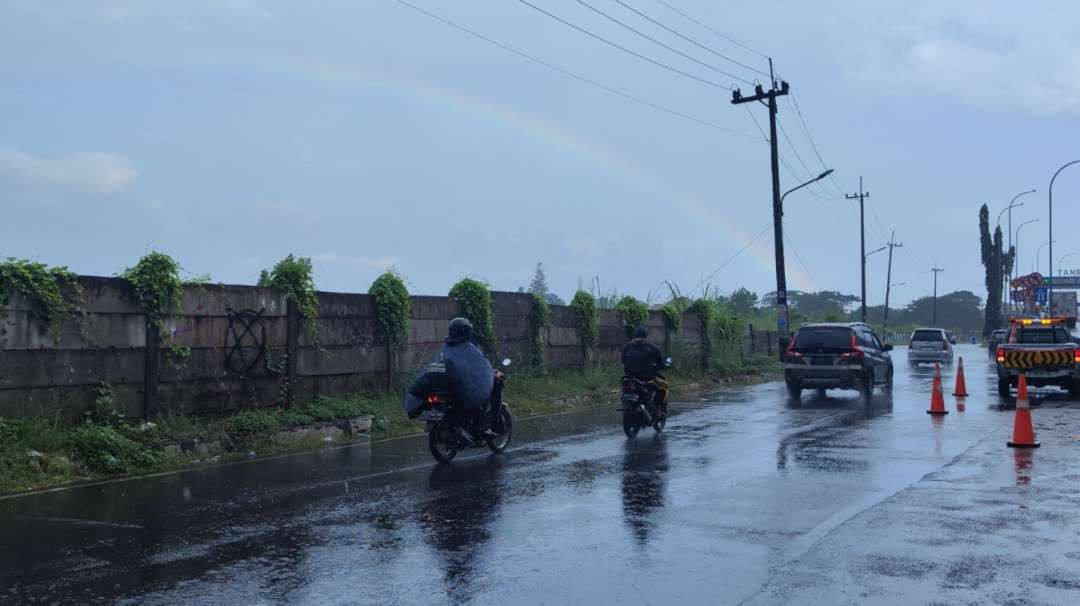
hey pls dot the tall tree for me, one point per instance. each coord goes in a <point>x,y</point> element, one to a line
<point>743,302</point>
<point>996,263</point>
<point>539,286</point>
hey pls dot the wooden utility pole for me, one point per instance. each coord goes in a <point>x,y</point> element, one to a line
<point>888,275</point>
<point>862,243</point>
<point>768,98</point>
<point>936,271</point>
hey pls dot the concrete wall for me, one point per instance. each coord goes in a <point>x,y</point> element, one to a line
<point>238,337</point>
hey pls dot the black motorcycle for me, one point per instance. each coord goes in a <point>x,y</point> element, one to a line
<point>450,429</point>
<point>641,405</point>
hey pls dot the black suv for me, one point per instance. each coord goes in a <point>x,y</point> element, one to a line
<point>837,356</point>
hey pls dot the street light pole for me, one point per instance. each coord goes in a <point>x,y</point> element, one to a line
<point>1050,227</point>
<point>781,278</point>
<point>1023,193</point>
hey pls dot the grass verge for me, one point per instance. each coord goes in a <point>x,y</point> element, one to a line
<point>38,453</point>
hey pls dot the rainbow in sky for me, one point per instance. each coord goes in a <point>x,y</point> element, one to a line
<point>534,128</point>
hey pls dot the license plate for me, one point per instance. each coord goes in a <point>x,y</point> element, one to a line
<point>629,397</point>
<point>431,415</point>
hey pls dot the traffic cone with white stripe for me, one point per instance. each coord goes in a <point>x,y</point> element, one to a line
<point>937,398</point>
<point>1023,432</point>
<point>961,385</point>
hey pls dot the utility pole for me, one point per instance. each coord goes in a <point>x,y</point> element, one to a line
<point>936,270</point>
<point>888,276</point>
<point>862,242</point>
<point>761,95</point>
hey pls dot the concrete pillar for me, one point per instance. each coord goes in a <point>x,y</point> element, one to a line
<point>151,370</point>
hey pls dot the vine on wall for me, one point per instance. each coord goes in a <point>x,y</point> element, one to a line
<point>584,305</point>
<point>293,275</point>
<point>707,312</point>
<point>634,313</point>
<point>475,299</point>
<point>391,316</point>
<point>391,308</point>
<point>157,284</point>
<point>159,290</point>
<point>539,323</point>
<point>54,292</point>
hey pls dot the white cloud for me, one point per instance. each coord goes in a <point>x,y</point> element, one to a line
<point>377,263</point>
<point>1023,59</point>
<point>91,172</point>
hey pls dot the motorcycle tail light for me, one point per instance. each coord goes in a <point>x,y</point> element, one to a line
<point>433,399</point>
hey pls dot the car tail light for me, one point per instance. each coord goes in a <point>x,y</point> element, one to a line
<point>856,353</point>
<point>433,399</point>
<point>1076,356</point>
<point>791,353</point>
<point>1001,354</point>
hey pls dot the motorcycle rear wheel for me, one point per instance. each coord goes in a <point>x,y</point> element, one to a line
<point>630,423</point>
<point>441,448</point>
<point>505,429</point>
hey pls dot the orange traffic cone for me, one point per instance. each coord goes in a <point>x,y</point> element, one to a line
<point>937,398</point>
<point>1023,432</point>
<point>961,385</point>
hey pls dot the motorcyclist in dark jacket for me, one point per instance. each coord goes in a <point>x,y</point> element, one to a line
<point>463,371</point>
<point>642,360</point>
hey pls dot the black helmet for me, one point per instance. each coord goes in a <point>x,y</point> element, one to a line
<point>460,329</point>
<point>641,332</point>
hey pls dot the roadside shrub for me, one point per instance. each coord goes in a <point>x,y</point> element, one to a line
<point>634,313</point>
<point>253,421</point>
<point>104,449</point>
<point>475,299</point>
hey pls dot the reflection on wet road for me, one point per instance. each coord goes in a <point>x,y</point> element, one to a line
<point>746,498</point>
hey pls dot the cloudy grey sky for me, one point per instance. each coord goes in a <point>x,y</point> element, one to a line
<point>368,135</point>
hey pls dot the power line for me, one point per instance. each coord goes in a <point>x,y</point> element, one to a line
<point>799,258</point>
<point>798,157</point>
<point>655,41</point>
<point>733,257</point>
<point>623,48</point>
<point>578,77</point>
<point>690,40</point>
<point>813,144</point>
<point>722,35</point>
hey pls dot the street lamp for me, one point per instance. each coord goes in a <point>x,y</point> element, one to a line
<point>1016,250</point>
<point>1038,254</point>
<point>781,279</point>
<point>1050,227</point>
<point>1012,204</point>
<point>1062,260</point>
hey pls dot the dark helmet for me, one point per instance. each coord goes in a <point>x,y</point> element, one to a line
<point>641,332</point>
<point>460,329</point>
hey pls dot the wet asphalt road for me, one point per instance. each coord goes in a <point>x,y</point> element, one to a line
<point>745,499</point>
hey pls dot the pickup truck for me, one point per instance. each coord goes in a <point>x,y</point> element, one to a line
<point>1043,350</point>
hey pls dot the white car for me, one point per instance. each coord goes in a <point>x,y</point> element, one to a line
<point>929,345</point>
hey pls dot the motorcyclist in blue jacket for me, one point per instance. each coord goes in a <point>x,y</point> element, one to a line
<point>462,370</point>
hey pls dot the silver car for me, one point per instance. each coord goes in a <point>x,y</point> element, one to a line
<point>929,345</point>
